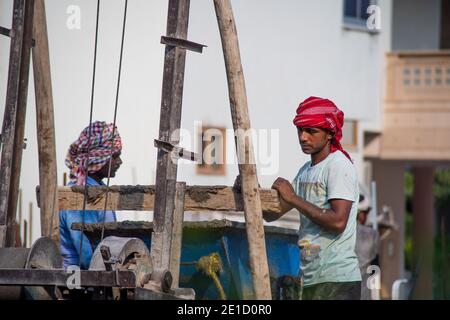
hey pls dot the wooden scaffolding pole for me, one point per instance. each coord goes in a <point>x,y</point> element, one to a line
<point>45,125</point>
<point>247,168</point>
<point>14,119</point>
<point>170,121</point>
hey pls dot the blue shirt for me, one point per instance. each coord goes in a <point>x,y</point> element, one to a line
<point>70,239</point>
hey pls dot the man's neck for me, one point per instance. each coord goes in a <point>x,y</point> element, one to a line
<point>321,155</point>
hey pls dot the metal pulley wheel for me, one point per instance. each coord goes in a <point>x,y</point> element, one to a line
<point>44,254</point>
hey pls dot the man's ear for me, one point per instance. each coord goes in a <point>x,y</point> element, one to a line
<point>329,136</point>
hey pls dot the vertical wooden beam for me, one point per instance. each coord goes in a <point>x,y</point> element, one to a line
<point>14,118</point>
<point>247,168</point>
<point>170,121</point>
<point>30,219</point>
<point>177,233</point>
<point>19,218</point>
<point>25,233</point>
<point>45,125</point>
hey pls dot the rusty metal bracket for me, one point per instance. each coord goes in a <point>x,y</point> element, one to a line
<point>108,260</point>
<point>5,31</point>
<point>182,43</point>
<point>175,151</point>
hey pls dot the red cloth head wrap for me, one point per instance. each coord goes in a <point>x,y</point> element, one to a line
<point>321,113</point>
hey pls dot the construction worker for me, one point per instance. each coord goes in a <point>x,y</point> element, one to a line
<point>92,151</point>
<point>367,243</point>
<point>325,192</point>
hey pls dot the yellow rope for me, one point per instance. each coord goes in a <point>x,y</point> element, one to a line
<point>211,265</point>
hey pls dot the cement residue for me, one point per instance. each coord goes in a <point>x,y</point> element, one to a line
<point>94,192</point>
<point>114,226</point>
<point>202,193</point>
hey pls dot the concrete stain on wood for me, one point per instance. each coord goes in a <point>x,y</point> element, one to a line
<point>203,193</point>
<point>142,198</point>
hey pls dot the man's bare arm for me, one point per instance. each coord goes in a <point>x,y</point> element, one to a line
<point>285,207</point>
<point>334,219</point>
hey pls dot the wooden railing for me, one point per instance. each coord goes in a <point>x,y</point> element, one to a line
<point>416,121</point>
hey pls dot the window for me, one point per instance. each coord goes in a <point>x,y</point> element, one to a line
<point>350,134</point>
<point>212,153</point>
<point>355,13</point>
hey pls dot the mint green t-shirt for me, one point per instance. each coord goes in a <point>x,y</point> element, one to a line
<point>328,256</point>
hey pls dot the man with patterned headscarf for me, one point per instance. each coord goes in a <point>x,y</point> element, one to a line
<point>325,192</point>
<point>95,155</point>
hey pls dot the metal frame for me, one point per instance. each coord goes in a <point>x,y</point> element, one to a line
<point>124,279</point>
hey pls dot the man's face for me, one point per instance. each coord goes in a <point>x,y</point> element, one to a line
<point>115,164</point>
<point>362,216</point>
<point>312,140</point>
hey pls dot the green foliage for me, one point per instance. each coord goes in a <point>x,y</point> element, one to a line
<point>442,189</point>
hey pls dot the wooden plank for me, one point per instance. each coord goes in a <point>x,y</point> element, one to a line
<point>169,123</point>
<point>247,168</point>
<point>45,125</point>
<point>142,198</point>
<point>30,226</point>
<point>177,233</point>
<point>14,116</point>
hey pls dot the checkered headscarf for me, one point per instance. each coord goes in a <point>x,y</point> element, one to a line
<point>102,145</point>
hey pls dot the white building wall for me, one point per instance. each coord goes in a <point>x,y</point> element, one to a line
<point>290,49</point>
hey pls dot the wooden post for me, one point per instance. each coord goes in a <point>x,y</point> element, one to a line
<point>30,219</point>
<point>177,233</point>
<point>19,218</point>
<point>25,234</point>
<point>170,121</point>
<point>45,125</point>
<point>14,117</point>
<point>247,167</point>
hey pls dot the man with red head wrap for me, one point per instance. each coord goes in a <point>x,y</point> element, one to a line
<point>325,192</point>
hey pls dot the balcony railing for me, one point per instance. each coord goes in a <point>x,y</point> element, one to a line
<point>418,77</point>
<point>416,113</point>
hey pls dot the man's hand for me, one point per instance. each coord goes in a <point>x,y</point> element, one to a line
<point>285,190</point>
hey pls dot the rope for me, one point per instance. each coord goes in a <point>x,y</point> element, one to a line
<point>115,116</point>
<point>211,265</point>
<point>89,135</point>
